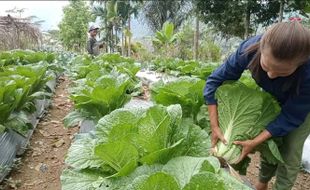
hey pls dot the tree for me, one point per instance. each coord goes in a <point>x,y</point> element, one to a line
<point>282,7</point>
<point>232,18</point>
<point>195,11</point>
<point>241,18</point>
<point>125,10</point>
<point>115,16</point>
<point>74,25</point>
<point>157,12</point>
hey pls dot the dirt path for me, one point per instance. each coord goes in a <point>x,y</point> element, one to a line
<point>42,163</point>
<point>302,181</point>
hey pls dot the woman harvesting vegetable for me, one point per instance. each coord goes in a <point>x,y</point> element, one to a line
<point>279,63</point>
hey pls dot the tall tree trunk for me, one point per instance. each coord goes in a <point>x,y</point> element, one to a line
<point>129,37</point>
<point>112,41</point>
<point>123,44</point>
<point>196,39</point>
<point>247,21</point>
<point>116,32</point>
<point>281,10</point>
<point>126,45</point>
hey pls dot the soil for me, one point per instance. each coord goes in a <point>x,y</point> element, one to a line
<point>41,165</point>
<point>302,182</point>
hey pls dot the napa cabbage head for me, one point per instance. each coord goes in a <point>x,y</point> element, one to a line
<point>243,113</point>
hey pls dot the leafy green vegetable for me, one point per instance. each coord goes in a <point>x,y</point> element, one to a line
<point>106,63</point>
<point>83,180</point>
<point>21,85</point>
<point>243,114</point>
<point>205,179</point>
<point>185,91</point>
<point>247,79</point>
<point>81,154</point>
<point>184,168</point>
<point>180,67</point>
<point>120,155</point>
<point>143,149</point>
<point>24,57</point>
<point>98,98</point>
<point>156,181</point>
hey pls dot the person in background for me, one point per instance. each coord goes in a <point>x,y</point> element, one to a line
<point>92,44</point>
<point>279,63</point>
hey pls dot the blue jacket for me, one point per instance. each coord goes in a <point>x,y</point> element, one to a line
<point>295,106</point>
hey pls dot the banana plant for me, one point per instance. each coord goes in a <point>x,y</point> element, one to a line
<point>165,38</point>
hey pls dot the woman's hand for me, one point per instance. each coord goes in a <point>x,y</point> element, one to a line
<point>249,145</point>
<point>216,133</point>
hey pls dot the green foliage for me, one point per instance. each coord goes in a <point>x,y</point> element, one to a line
<point>115,157</point>
<point>24,57</point>
<point>94,98</point>
<point>115,16</point>
<point>243,114</point>
<point>246,78</point>
<point>153,136</point>
<point>208,50</point>
<point>103,84</point>
<point>228,17</point>
<point>165,36</point>
<point>141,53</point>
<point>165,39</point>
<point>74,26</point>
<point>180,67</point>
<point>185,91</point>
<point>20,86</point>
<point>156,13</point>
<point>84,65</point>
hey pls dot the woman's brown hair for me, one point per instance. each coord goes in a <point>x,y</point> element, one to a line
<point>288,41</point>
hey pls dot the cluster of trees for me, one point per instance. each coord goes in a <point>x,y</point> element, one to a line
<point>242,17</point>
<point>239,18</point>
<point>115,16</point>
<point>74,25</point>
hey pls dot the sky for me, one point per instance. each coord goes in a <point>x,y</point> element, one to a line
<point>51,13</point>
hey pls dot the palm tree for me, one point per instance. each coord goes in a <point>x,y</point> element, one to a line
<point>116,16</point>
<point>157,12</point>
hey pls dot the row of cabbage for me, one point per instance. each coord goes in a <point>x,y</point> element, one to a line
<point>23,77</point>
<point>27,81</point>
<point>164,146</point>
<point>179,67</point>
<point>100,86</point>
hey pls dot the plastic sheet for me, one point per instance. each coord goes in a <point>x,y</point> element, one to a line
<point>52,84</point>
<point>41,106</point>
<point>24,141</point>
<point>10,143</point>
<point>149,77</point>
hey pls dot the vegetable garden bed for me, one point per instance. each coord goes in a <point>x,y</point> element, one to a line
<point>85,161</point>
<point>29,78</point>
<point>128,141</point>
